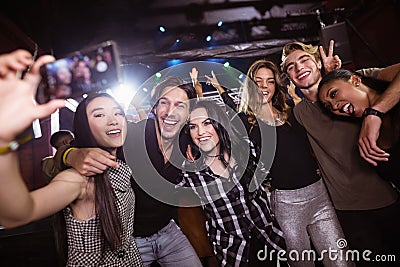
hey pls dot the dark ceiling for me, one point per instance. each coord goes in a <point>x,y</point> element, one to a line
<point>250,28</point>
<point>65,26</point>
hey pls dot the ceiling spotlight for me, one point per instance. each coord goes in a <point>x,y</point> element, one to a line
<point>162,29</point>
<point>177,40</point>
<point>219,24</point>
<point>208,38</point>
<point>158,75</point>
<point>226,64</point>
<point>173,62</point>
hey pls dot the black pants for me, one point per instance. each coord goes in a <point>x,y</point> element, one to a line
<point>376,230</point>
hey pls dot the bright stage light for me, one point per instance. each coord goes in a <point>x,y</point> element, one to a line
<point>123,94</point>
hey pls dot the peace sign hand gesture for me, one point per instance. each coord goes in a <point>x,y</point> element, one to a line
<point>330,62</point>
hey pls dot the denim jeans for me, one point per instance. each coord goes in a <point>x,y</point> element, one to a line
<point>169,247</point>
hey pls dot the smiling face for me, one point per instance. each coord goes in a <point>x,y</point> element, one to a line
<point>80,66</point>
<point>265,80</point>
<point>203,133</point>
<point>344,98</point>
<point>304,71</point>
<point>86,74</point>
<point>172,111</point>
<point>64,76</point>
<point>107,123</point>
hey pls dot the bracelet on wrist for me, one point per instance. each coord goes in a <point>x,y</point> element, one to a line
<point>64,157</point>
<point>371,111</point>
<point>15,144</point>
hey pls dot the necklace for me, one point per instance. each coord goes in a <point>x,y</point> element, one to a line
<point>277,121</point>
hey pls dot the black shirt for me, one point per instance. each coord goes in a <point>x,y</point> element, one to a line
<point>287,151</point>
<point>153,179</point>
<point>294,165</point>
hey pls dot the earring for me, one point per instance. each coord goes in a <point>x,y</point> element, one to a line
<point>357,84</point>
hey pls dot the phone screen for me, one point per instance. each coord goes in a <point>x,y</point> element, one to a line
<point>95,68</point>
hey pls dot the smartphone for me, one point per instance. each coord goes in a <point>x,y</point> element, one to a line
<point>94,68</point>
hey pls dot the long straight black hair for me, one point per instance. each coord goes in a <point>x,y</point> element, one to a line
<point>345,75</point>
<point>105,201</point>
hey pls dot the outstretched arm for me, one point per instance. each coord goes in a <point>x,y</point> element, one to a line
<point>224,95</point>
<point>391,96</point>
<point>17,111</point>
<point>371,124</point>
<point>66,187</point>
<point>87,161</point>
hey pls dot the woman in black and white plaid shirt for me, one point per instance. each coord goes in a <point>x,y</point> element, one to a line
<point>223,172</point>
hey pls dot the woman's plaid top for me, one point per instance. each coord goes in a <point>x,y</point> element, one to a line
<point>234,213</point>
<point>84,237</point>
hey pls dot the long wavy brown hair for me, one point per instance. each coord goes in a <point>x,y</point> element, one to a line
<point>251,96</point>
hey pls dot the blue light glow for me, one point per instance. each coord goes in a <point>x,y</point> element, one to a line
<point>174,62</point>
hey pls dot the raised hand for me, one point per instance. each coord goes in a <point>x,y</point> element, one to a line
<point>18,107</point>
<point>194,75</point>
<point>214,81</point>
<point>330,62</point>
<point>14,62</point>
<point>196,84</point>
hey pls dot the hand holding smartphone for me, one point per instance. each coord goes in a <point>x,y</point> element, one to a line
<point>94,68</point>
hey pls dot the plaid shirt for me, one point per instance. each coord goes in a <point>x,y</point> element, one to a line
<point>234,213</point>
<point>84,237</point>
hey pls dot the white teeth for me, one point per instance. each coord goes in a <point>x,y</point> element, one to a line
<point>304,74</point>
<point>113,132</point>
<point>265,93</point>
<point>170,122</point>
<point>346,107</point>
<point>204,138</point>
